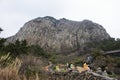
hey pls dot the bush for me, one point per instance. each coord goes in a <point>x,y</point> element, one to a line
<point>38,51</point>
<point>17,48</point>
<point>12,70</point>
<point>78,62</point>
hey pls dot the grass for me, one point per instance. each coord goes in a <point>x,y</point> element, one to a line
<point>11,71</point>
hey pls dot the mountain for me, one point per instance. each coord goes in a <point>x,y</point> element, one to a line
<point>61,35</point>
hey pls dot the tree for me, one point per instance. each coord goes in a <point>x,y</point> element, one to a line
<point>105,45</point>
<point>17,48</point>
<point>2,41</point>
<point>1,30</point>
<point>38,51</point>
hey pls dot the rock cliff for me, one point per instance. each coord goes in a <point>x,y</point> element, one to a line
<point>60,35</point>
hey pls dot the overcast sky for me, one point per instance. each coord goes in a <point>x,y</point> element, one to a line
<point>14,13</point>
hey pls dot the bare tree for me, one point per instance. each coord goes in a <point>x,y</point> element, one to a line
<point>1,30</point>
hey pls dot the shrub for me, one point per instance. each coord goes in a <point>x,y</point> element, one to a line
<point>11,71</point>
<point>38,51</point>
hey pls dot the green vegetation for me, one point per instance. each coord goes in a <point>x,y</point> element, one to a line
<point>105,45</point>
<point>2,41</point>
<point>110,44</point>
<point>21,47</point>
<point>15,49</point>
<point>78,62</point>
<point>38,51</point>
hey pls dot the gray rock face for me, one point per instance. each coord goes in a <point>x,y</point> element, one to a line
<point>60,35</point>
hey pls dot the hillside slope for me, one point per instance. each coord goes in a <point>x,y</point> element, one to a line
<point>60,35</point>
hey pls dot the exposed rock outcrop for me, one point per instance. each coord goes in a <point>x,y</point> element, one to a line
<point>60,35</point>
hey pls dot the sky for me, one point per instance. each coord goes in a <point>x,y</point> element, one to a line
<point>15,13</point>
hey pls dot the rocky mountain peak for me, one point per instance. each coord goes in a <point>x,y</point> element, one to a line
<point>60,35</point>
<point>49,17</point>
